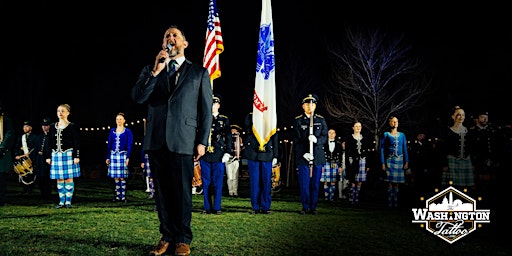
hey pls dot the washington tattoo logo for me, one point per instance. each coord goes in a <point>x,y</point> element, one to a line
<point>450,215</point>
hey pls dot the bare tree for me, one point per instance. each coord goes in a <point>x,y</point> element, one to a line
<point>374,77</point>
<point>296,79</point>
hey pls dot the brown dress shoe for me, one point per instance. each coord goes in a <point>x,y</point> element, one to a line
<point>160,248</point>
<point>182,249</point>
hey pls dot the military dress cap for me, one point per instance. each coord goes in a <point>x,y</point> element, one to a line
<point>237,127</point>
<point>217,98</point>
<point>27,123</point>
<point>310,98</point>
<point>481,112</point>
<point>46,121</point>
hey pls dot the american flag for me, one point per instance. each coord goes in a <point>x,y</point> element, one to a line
<point>264,115</point>
<point>214,44</point>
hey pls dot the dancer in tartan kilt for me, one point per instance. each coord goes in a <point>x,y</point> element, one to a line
<point>63,155</point>
<point>394,158</point>
<point>120,144</point>
<point>356,152</point>
<point>332,168</point>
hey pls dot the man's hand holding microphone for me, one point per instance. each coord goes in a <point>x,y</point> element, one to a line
<point>164,54</point>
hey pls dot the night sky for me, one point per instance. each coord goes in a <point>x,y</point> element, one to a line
<point>90,54</point>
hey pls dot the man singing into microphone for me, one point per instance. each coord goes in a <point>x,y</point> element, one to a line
<point>179,98</point>
<point>309,163</point>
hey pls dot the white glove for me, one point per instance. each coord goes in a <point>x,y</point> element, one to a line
<point>312,138</point>
<point>309,156</point>
<point>274,162</point>
<point>226,157</point>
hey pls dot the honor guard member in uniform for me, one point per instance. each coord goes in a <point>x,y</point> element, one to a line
<point>310,136</point>
<point>233,165</point>
<point>25,149</point>
<point>260,162</point>
<point>218,152</point>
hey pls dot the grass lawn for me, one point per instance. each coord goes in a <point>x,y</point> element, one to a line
<point>97,226</point>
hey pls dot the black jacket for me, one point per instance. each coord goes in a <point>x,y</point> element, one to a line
<point>301,141</point>
<point>251,149</point>
<point>176,117</point>
<point>221,140</point>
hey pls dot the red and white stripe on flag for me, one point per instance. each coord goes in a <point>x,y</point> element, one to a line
<point>213,44</point>
<point>264,115</point>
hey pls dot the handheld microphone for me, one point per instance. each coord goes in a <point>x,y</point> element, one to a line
<point>169,49</point>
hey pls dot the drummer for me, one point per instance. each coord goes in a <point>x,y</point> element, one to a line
<point>25,149</point>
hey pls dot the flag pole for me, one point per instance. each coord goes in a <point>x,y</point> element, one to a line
<point>311,122</point>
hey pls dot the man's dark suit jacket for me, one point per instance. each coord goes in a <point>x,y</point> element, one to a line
<point>182,117</point>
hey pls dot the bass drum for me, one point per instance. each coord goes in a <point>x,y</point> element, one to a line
<point>23,167</point>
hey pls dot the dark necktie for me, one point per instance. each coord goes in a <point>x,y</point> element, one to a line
<point>172,67</point>
<point>172,75</point>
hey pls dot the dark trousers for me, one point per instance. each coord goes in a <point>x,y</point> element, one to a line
<point>3,187</point>
<point>30,180</point>
<point>309,186</point>
<point>42,171</point>
<point>45,186</point>
<point>212,175</point>
<point>172,178</point>
<point>260,178</point>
